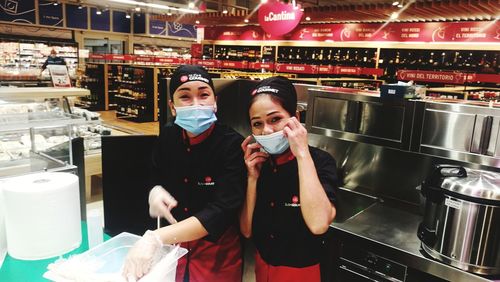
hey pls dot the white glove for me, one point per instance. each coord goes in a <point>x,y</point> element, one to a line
<point>140,258</point>
<point>161,203</point>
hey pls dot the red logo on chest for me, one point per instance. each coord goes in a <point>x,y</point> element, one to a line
<point>295,199</point>
<point>208,179</point>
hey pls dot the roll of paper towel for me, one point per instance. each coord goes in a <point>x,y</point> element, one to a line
<point>42,215</point>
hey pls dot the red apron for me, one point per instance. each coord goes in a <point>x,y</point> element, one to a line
<point>212,262</point>
<point>267,273</point>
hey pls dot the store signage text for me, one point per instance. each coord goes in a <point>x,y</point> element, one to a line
<point>482,31</point>
<point>277,18</point>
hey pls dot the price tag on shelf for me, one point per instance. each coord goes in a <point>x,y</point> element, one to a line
<point>60,76</point>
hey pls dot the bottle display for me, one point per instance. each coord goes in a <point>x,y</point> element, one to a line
<point>135,97</point>
<point>94,82</point>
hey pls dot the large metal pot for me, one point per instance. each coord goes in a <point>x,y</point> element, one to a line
<point>461,224</point>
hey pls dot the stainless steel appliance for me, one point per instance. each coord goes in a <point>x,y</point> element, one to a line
<point>461,224</point>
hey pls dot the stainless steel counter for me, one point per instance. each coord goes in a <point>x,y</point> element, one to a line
<point>393,232</point>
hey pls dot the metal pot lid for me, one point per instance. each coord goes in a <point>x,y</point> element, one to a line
<point>479,184</point>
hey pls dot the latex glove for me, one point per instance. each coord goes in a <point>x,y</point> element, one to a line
<point>161,203</point>
<point>140,258</point>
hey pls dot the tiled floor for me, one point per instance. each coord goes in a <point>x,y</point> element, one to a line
<point>95,202</point>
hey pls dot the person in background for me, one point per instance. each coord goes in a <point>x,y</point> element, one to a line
<point>199,186</point>
<point>291,187</point>
<point>52,59</point>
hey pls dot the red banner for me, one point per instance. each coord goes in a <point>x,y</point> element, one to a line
<point>115,57</point>
<point>482,31</point>
<point>145,59</point>
<point>345,70</point>
<point>172,61</point>
<point>435,76</point>
<point>206,63</point>
<point>97,56</point>
<point>297,68</point>
<point>258,66</point>
<point>234,65</point>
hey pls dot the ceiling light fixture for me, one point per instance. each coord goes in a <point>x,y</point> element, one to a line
<point>400,6</point>
<point>80,7</point>
<point>169,14</point>
<point>225,11</point>
<point>137,9</point>
<point>56,3</point>
<point>156,6</point>
<point>246,20</point>
<point>394,15</point>
<point>395,3</point>
<point>308,18</point>
<point>98,12</point>
<point>191,5</point>
<point>197,22</point>
<point>127,16</point>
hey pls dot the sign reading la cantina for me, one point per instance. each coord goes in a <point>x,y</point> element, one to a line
<point>277,18</point>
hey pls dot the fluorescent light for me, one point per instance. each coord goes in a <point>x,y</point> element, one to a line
<point>394,16</point>
<point>155,6</point>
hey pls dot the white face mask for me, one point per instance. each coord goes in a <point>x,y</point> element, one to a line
<point>275,143</point>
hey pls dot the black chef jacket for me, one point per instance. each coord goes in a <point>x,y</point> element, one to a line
<point>53,61</point>
<point>207,179</point>
<point>279,231</point>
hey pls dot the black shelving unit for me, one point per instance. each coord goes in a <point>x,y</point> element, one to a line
<point>114,81</point>
<point>136,96</point>
<point>95,82</point>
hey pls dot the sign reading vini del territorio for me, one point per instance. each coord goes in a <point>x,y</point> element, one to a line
<point>278,18</point>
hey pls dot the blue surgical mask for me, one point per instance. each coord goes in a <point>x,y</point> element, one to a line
<point>275,143</point>
<point>195,119</point>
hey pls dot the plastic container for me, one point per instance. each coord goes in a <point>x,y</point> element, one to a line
<point>105,262</point>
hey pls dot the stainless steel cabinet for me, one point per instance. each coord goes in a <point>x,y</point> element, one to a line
<point>458,131</point>
<point>360,118</point>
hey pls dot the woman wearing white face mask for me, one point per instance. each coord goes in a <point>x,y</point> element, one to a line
<point>290,188</point>
<point>200,163</point>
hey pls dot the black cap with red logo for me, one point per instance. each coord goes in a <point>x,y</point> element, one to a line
<point>187,73</point>
<point>280,87</point>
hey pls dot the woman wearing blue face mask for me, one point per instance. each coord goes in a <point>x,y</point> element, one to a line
<point>290,188</point>
<point>198,181</point>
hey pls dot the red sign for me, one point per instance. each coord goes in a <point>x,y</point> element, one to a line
<point>206,63</point>
<point>144,59</point>
<point>114,57</point>
<point>258,66</point>
<point>372,71</point>
<point>278,18</point>
<point>435,76</point>
<point>97,56</point>
<point>234,64</point>
<point>196,50</point>
<point>347,70</point>
<point>482,31</point>
<point>173,61</point>
<point>297,68</point>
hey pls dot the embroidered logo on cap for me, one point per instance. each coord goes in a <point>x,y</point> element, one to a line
<point>184,78</point>
<point>197,76</point>
<point>266,88</point>
<point>254,92</point>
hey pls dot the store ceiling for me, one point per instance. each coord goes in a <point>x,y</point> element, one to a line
<point>331,11</point>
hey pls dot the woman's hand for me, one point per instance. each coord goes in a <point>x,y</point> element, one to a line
<point>297,137</point>
<point>253,157</point>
